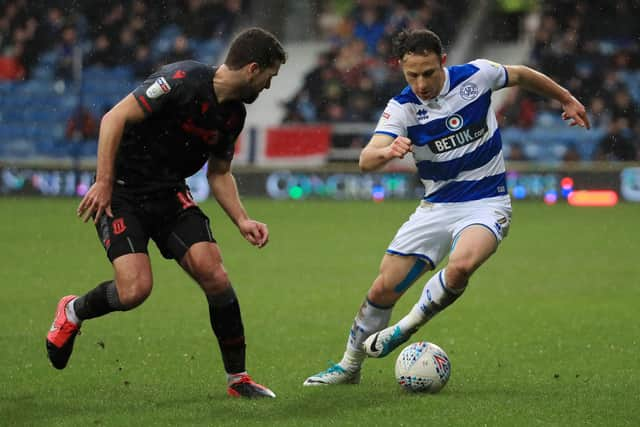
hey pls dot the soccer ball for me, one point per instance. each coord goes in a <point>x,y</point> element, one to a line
<point>423,367</point>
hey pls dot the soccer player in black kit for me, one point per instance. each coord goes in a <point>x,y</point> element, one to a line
<point>182,116</point>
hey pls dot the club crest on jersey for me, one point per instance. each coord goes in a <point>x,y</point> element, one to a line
<point>158,88</point>
<point>422,115</point>
<point>454,122</point>
<point>469,91</point>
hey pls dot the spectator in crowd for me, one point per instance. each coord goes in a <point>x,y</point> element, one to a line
<point>181,50</point>
<point>102,54</point>
<point>617,145</point>
<point>369,28</point>
<point>571,154</point>
<point>81,126</point>
<point>66,51</point>
<point>125,50</point>
<point>142,62</point>
<point>11,68</point>
<point>624,107</point>
<point>516,153</point>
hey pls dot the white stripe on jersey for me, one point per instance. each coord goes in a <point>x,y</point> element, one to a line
<point>456,142</point>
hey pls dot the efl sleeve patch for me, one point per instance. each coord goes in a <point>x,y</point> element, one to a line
<point>158,88</point>
<point>158,91</point>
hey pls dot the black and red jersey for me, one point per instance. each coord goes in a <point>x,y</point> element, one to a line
<point>184,125</point>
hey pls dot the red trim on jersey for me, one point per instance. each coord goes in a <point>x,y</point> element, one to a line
<point>144,102</point>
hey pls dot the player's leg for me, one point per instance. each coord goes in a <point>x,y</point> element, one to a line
<point>190,241</point>
<point>397,273</point>
<point>204,263</point>
<point>473,245</point>
<point>131,286</point>
<point>126,248</point>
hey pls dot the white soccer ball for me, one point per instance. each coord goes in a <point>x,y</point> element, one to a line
<point>423,367</point>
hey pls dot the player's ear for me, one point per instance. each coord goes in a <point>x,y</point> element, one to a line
<point>253,68</point>
<point>443,59</point>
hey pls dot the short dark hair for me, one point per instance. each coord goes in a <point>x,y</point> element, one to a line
<point>419,41</point>
<point>255,45</point>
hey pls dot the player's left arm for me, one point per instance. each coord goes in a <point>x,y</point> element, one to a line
<point>535,81</point>
<point>224,189</point>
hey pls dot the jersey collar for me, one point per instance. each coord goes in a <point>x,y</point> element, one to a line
<point>445,89</point>
<point>446,83</point>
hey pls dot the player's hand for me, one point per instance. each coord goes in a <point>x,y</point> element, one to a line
<point>575,111</point>
<point>96,202</point>
<point>399,147</point>
<point>255,232</point>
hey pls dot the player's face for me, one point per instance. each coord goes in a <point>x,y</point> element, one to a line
<point>259,80</point>
<point>424,73</point>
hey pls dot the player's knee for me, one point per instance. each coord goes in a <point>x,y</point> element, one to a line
<point>134,289</point>
<point>458,273</point>
<point>212,277</point>
<point>382,292</point>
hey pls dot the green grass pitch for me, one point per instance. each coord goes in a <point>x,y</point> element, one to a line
<point>547,334</point>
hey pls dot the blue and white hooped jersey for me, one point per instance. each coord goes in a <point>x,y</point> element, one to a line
<point>456,141</point>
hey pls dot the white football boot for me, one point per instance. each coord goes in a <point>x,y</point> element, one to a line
<point>336,374</point>
<point>385,341</point>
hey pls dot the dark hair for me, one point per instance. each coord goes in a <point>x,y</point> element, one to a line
<point>255,45</point>
<point>418,41</point>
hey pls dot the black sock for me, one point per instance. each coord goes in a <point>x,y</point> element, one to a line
<point>226,322</point>
<point>99,301</point>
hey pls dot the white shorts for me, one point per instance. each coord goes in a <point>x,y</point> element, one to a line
<point>432,229</point>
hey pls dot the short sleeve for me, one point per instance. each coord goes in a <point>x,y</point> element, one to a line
<point>392,120</point>
<point>494,75</point>
<point>159,89</point>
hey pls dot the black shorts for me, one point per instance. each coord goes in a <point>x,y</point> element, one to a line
<point>171,218</point>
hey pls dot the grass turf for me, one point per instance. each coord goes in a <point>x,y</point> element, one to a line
<point>547,334</point>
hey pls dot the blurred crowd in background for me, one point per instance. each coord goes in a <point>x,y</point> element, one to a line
<point>109,33</point>
<point>356,76</point>
<point>592,48</point>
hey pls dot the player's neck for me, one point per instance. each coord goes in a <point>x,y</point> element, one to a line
<point>224,84</point>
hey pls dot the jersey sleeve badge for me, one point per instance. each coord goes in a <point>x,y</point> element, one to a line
<point>158,88</point>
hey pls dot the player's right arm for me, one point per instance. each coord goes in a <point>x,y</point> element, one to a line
<point>381,149</point>
<point>98,199</point>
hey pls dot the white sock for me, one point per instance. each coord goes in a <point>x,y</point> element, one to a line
<point>71,313</point>
<point>435,297</point>
<point>231,378</point>
<point>369,319</point>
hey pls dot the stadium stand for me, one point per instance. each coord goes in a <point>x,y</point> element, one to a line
<point>592,49</point>
<point>587,46</point>
<point>353,80</point>
<point>355,77</point>
<point>42,93</point>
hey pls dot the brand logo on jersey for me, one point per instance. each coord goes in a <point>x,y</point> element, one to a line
<point>158,88</point>
<point>386,115</point>
<point>458,139</point>
<point>208,136</point>
<point>454,122</point>
<point>469,91</point>
<point>422,115</point>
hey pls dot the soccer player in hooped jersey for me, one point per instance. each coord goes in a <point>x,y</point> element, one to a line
<point>183,116</point>
<point>443,118</point>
